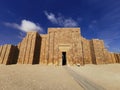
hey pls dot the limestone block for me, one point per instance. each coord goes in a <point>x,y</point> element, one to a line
<point>113,58</point>
<point>7,53</point>
<point>28,47</point>
<point>107,56</point>
<point>1,47</point>
<point>45,49</point>
<point>42,51</point>
<point>37,49</point>
<point>1,50</point>
<point>93,57</point>
<point>118,57</point>
<point>3,54</point>
<point>25,49</point>
<point>21,48</point>
<point>31,57</point>
<point>98,48</point>
<point>86,51</point>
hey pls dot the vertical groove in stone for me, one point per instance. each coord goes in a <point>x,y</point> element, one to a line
<point>9,54</point>
<point>21,48</point>
<point>30,42</point>
<point>3,53</point>
<point>82,54</point>
<point>37,49</point>
<point>55,48</point>
<point>13,55</point>
<point>119,57</point>
<point>31,58</point>
<point>98,49</point>
<point>8,48</point>
<point>1,48</point>
<point>51,48</point>
<point>41,51</point>
<point>86,51</point>
<point>25,48</point>
<point>108,57</point>
<point>55,44</point>
<point>53,62</point>
<point>71,46</point>
<point>113,58</point>
<point>92,52</point>
<point>47,49</point>
<point>116,57</point>
<point>44,46</point>
<point>21,51</point>
<point>31,51</point>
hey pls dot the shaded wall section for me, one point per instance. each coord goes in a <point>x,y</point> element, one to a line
<point>86,51</point>
<point>29,49</point>
<point>117,57</point>
<point>97,50</point>
<point>8,54</point>
<point>44,50</point>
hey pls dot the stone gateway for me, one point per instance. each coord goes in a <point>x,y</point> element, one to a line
<point>61,46</point>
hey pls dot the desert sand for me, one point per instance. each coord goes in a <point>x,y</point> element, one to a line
<point>37,77</point>
<point>107,75</point>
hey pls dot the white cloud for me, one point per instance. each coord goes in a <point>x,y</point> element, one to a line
<point>25,26</point>
<point>14,25</point>
<point>70,22</point>
<point>60,20</point>
<point>51,17</point>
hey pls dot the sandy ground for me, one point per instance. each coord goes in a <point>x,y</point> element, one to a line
<point>108,76</point>
<point>36,77</point>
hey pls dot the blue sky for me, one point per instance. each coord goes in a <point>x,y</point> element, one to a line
<point>96,18</point>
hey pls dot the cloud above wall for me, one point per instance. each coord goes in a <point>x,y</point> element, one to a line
<point>25,26</point>
<point>61,20</point>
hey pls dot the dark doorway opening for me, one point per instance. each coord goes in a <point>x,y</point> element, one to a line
<point>63,58</point>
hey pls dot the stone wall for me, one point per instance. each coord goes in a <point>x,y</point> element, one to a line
<point>68,41</point>
<point>86,51</point>
<point>8,54</point>
<point>44,50</point>
<point>98,51</point>
<point>113,58</point>
<point>48,49</point>
<point>29,49</point>
<point>117,57</point>
<point>107,56</point>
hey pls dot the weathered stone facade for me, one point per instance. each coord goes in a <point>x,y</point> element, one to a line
<point>8,54</point>
<point>61,46</point>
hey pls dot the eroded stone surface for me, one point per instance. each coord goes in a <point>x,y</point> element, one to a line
<point>59,46</point>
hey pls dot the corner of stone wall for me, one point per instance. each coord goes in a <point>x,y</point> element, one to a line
<point>8,54</point>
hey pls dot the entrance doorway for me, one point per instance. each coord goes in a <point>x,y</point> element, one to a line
<point>63,58</point>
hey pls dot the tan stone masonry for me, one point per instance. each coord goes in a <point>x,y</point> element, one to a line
<point>60,46</point>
